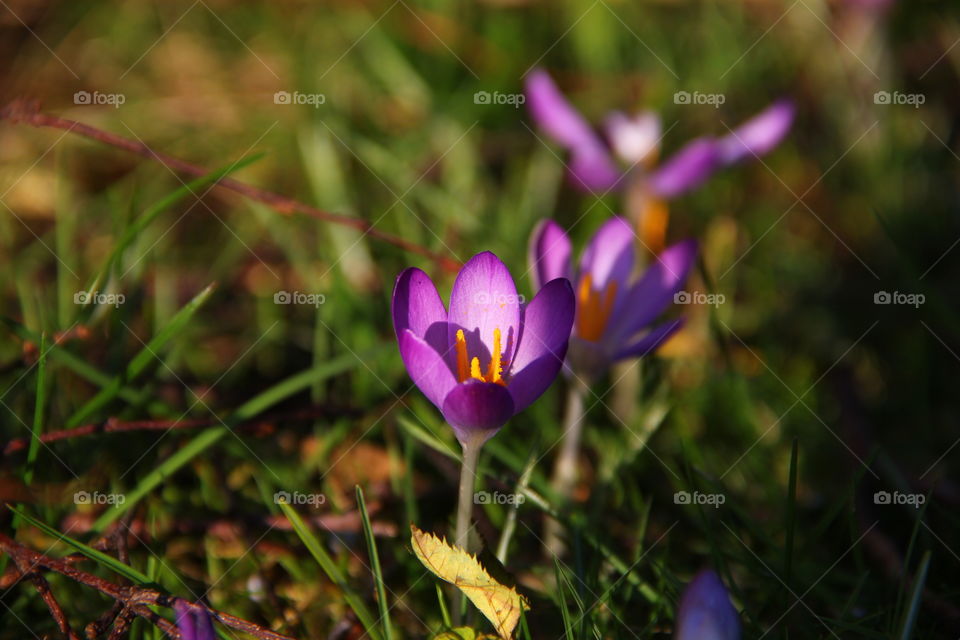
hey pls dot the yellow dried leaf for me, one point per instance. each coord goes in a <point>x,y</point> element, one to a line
<point>501,605</point>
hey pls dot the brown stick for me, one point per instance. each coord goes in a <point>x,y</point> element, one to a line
<point>28,112</point>
<point>43,588</point>
<point>138,599</point>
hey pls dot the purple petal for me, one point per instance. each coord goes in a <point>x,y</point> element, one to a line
<point>759,135</point>
<point>610,254</point>
<point>547,322</point>
<point>477,410</point>
<point>553,114</point>
<point>204,626</point>
<point>653,292</point>
<point>591,166</point>
<point>417,306</point>
<point>705,611</point>
<point>633,139</point>
<point>549,253</point>
<point>484,298</point>
<point>427,368</point>
<point>651,341</point>
<point>592,169</point>
<point>686,169</point>
<point>184,620</point>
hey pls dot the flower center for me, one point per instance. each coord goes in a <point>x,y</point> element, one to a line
<point>593,308</point>
<point>470,368</point>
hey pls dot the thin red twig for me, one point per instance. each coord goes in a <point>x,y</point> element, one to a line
<point>28,112</point>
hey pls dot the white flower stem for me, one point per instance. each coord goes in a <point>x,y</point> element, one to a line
<point>468,479</point>
<point>565,467</point>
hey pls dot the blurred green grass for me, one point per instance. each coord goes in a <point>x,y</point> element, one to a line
<point>798,354</point>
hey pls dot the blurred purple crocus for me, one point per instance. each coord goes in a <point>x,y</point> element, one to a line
<point>489,356</point>
<point>615,311</point>
<point>636,141</point>
<point>705,611</point>
<point>193,623</point>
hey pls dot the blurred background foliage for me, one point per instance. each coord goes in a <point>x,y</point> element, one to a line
<point>861,198</point>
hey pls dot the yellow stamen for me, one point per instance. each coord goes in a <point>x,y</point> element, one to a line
<point>468,368</point>
<point>475,369</point>
<point>594,309</point>
<point>463,371</point>
<point>496,367</point>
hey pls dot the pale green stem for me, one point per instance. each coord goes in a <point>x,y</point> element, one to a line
<point>565,467</point>
<point>468,479</point>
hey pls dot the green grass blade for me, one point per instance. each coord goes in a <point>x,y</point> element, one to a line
<point>110,562</point>
<point>333,572</point>
<point>910,618</point>
<point>144,357</point>
<point>791,512</point>
<point>201,442</point>
<point>167,468</point>
<point>375,566</point>
<point>37,430</point>
<point>130,233</point>
<point>75,363</point>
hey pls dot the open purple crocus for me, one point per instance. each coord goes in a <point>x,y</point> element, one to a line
<point>615,311</point>
<point>705,611</point>
<point>635,140</point>
<point>193,624</point>
<point>489,356</point>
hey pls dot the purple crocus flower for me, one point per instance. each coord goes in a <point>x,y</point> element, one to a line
<point>194,623</point>
<point>636,141</point>
<point>615,311</point>
<point>705,611</point>
<point>489,356</point>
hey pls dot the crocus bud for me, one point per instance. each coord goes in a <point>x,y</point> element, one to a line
<point>705,611</point>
